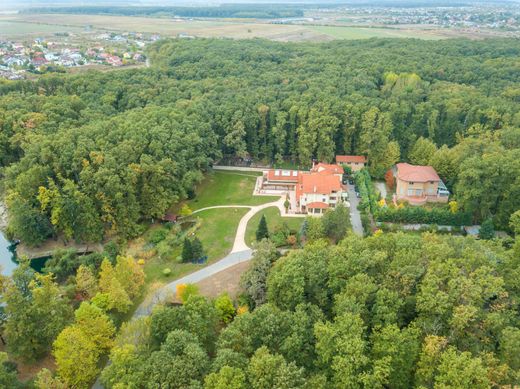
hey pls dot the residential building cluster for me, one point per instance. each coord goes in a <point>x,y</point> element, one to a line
<point>325,185</point>
<point>42,55</point>
<point>474,16</point>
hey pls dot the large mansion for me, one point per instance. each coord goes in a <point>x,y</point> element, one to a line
<point>315,191</point>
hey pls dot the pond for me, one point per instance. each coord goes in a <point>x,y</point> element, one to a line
<point>7,256</point>
<point>9,261</point>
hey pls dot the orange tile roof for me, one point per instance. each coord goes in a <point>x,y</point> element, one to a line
<point>318,183</point>
<point>350,158</point>
<point>325,168</point>
<point>317,204</point>
<point>416,173</point>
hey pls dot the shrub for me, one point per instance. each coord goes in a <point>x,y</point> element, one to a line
<point>364,185</point>
<point>225,308</point>
<point>487,230</point>
<point>167,271</point>
<point>419,215</point>
<point>157,235</point>
<point>292,240</point>
<point>389,179</point>
<point>185,291</point>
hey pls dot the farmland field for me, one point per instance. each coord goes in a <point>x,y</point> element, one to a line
<point>346,32</point>
<point>16,25</point>
<point>12,28</point>
<point>169,27</point>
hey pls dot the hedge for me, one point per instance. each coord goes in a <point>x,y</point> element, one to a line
<point>419,215</point>
<point>368,202</point>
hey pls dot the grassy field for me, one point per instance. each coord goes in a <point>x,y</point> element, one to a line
<point>340,32</point>
<point>218,230</point>
<point>274,220</point>
<point>18,25</point>
<point>21,29</point>
<point>217,233</point>
<point>237,29</point>
<point>222,188</point>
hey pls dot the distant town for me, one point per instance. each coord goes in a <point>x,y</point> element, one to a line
<point>20,59</point>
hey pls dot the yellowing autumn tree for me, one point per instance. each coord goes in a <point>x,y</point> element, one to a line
<point>96,325</point>
<point>130,275</point>
<point>76,357</point>
<point>78,347</point>
<point>110,286</point>
<point>86,282</point>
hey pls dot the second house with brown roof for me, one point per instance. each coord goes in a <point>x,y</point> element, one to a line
<point>419,184</point>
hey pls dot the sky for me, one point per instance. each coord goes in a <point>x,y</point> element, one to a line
<point>34,3</point>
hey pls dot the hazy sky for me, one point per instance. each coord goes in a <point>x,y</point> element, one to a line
<point>29,3</point>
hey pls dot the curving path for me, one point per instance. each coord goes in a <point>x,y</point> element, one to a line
<point>240,252</point>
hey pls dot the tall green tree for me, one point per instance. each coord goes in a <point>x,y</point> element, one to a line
<point>262,232</point>
<point>36,313</point>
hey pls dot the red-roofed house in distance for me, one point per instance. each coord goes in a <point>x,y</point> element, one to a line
<point>419,184</point>
<point>325,168</point>
<point>355,162</point>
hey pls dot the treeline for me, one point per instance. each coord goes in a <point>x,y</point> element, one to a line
<point>95,152</point>
<point>259,11</point>
<point>389,311</point>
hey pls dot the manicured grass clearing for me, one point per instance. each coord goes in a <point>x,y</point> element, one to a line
<point>218,230</point>
<point>217,234</point>
<point>340,32</point>
<point>222,188</point>
<point>274,219</point>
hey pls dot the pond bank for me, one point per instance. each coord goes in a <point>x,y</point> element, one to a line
<point>3,215</point>
<point>48,247</point>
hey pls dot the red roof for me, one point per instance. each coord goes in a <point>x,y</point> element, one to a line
<point>283,175</point>
<point>325,168</point>
<point>350,159</point>
<point>317,204</point>
<point>416,173</point>
<point>318,183</point>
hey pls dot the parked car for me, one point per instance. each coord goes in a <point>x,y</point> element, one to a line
<point>358,195</point>
<point>351,182</point>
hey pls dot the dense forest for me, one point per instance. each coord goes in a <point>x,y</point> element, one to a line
<point>82,155</point>
<point>258,11</point>
<point>388,311</point>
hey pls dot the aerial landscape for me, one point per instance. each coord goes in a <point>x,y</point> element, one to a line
<point>206,195</point>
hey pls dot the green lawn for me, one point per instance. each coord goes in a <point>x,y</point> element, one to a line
<point>223,188</point>
<point>218,230</point>
<point>217,233</point>
<point>274,220</point>
<point>346,32</point>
